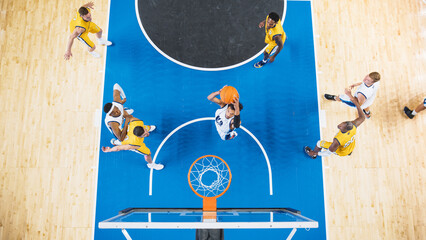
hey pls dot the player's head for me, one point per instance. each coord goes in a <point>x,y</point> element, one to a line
<point>85,14</point>
<point>345,126</point>
<point>371,78</point>
<point>140,132</point>
<point>230,111</point>
<point>111,110</point>
<point>273,19</point>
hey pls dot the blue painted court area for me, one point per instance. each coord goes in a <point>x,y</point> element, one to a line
<point>280,110</point>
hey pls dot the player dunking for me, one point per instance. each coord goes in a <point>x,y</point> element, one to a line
<point>344,142</point>
<point>80,27</point>
<point>227,118</point>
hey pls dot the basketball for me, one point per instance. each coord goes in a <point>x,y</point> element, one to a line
<point>228,94</point>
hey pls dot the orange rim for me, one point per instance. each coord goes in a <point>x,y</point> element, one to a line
<point>189,176</point>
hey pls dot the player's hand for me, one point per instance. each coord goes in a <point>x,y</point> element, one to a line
<point>271,59</point>
<point>262,24</point>
<point>67,55</point>
<point>90,5</point>
<point>236,103</point>
<point>222,88</point>
<point>351,86</point>
<point>124,100</point>
<point>106,149</point>
<point>348,92</point>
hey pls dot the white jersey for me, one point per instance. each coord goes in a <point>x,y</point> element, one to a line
<point>223,124</point>
<point>368,92</point>
<point>119,119</point>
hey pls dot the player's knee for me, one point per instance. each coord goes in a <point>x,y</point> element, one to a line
<point>92,48</point>
<point>319,144</point>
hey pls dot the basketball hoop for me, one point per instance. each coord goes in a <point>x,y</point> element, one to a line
<point>209,177</point>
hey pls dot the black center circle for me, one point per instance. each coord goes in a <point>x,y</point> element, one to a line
<point>206,34</point>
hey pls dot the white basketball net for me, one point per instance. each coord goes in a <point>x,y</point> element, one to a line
<point>205,165</point>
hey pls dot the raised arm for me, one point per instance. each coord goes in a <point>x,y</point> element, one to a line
<point>89,5</point>
<point>212,97</point>
<point>361,116</point>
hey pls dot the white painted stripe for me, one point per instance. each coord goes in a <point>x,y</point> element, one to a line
<point>209,119</point>
<point>201,68</point>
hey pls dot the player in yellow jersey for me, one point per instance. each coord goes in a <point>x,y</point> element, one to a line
<point>274,37</point>
<point>80,27</point>
<point>135,131</point>
<point>344,142</point>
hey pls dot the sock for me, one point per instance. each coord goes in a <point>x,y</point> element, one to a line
<point>101,39</point>
<point>117,87</point>
<point>264,61</point>
<point>413,112</point>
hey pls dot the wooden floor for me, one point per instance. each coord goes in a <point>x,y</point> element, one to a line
<point>50,142</point>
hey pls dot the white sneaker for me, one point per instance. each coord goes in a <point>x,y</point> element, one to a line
<point>129,110</point>
<point>104,42</point>
<point>115,142</point>
<point>95,54</point>
<point>155,166</point>
<point>152,128</point>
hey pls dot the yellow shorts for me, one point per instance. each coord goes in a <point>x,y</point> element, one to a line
<point>326,145</point>
<point>84,37</point>
<point>272,45</point>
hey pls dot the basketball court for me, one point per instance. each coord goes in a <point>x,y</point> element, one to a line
<point>166,88</point>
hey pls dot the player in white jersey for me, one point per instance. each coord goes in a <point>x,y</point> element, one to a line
<point>227,118</point>
<point>365,94</point>
<point>115,113</point>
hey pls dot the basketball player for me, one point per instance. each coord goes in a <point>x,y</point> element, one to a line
<point>365,94</point>
<point>136,132</point>
<point>115,113</point>
<point>80,27</point>
<point>419,108</point>
<point>275,38</point>
<point>344,142</point>
<point>227,118</point>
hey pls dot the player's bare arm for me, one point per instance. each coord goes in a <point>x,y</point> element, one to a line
<point>117,97</point>
<point>119,148</point>
<point>361,98</point>
<point>361,115</point>
<point>115,127</point>
<point>355,85</point>
<point>126,124</point>
<point>77,31</point>
<point>212,97</point>
<point>262,24</point>
<point>89,5</point>
<point>280,44</point>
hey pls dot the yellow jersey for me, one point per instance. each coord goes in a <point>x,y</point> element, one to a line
<point>132,139</point>
<point>272,32</point>
<point>347,142</point>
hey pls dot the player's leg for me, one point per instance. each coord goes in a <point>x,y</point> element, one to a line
<point>98,31</point>
<point>320,145</point>
<point>144,150</point>
<point>266,55</point>
<point>411,113</point>
<point>84,38</point>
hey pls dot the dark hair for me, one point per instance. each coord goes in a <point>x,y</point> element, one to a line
<point>138,131</point>
<point>107,107</point>
<point>233,108</point>
<point>274,16</point>
<point>349,126</point>
<point>83,11</point>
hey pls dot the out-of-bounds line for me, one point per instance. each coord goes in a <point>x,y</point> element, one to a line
<point>212,119</point>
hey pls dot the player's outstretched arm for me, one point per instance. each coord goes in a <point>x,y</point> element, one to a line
<point>89,5</point>
<point>361,116</point>
<point>118,148</point>
<point>262,24</point>
<point>118,94</point>
<point>77,31</point>
<point>212,97</point>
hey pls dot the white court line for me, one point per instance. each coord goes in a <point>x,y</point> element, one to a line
<point>195,67</point>
<point>208,119</point>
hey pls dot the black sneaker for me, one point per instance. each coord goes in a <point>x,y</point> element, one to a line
<point>330,97</point>
<point>367,114</point>
<point>408,112</point>
<point>307,150</point>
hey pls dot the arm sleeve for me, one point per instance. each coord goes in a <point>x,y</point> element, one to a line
<point>237,121</point>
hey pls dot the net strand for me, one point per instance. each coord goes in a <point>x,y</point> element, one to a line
<point>209,165</point>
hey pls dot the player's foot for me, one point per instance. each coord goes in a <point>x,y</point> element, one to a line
<point>115,142</point>
<point>104,42</point>
<point>95,54</point>
<point>152,128</point>
<point>367,114</point>
<point>307,151</point>
<point>330,97</point>
<point>155,166</point>
<point>408,112</point>
<point>129,110</point>
<point>260,63</point>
